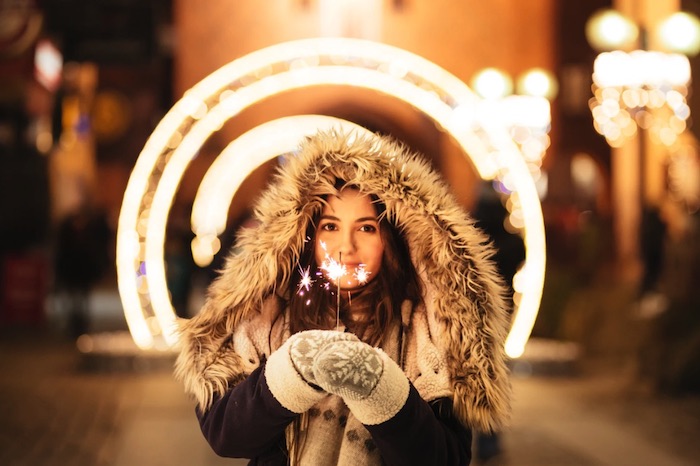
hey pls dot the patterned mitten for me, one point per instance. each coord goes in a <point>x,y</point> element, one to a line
<point>350,369</point>
<point>289,373</point>
<point>372,385</point>
<point>305,347</point>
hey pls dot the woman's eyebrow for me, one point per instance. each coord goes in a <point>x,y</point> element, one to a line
<point>357,220</point>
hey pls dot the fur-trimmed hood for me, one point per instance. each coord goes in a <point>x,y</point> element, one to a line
<point>463,290</point>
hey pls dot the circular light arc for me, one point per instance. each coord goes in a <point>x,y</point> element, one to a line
<point>295,65</point>
<point>246,153</point>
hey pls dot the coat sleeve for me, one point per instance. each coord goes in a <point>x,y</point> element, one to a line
<point>247,421</point>
<point>423,433</point>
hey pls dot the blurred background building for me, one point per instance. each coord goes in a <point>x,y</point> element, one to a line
<point>84,83</point>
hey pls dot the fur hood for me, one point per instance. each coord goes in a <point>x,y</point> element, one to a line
<point>462,289</point>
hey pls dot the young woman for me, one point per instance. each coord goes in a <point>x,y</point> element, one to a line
<point>361,322</point>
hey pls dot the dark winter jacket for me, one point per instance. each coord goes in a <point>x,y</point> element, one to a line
<point>456,364</point>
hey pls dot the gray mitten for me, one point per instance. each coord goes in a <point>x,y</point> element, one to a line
<point>305,347</point>
<point>350,369</point>
<point>372,385</point>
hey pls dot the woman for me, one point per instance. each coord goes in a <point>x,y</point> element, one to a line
<point>361,321</point>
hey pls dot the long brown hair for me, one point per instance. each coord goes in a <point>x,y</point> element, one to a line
<point>314,305</point>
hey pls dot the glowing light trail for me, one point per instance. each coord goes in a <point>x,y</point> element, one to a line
<point>277,69</point>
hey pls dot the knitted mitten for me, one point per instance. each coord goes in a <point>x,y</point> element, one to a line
<point>349,369</point>
<point>372,385</point>
<point>305,346</point>
<point>289,373</point>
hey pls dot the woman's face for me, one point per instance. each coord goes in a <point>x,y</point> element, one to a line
<point>348,233</point>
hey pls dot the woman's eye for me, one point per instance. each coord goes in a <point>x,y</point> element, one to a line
<point>368,228</point>
<point>328,227</point>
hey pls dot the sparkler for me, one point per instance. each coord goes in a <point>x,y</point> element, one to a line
<point>361,274</point>
<point>305,281</point>
<point>337,306</point>
<point>335,270</point>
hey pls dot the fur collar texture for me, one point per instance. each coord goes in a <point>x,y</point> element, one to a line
<point>463,290</point>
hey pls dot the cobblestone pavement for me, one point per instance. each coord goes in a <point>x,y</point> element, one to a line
<point>56,410</point>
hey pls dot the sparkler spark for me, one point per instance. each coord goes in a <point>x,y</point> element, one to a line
<point>305,281</point>
<point>334,271</point>
<point>361,274</point>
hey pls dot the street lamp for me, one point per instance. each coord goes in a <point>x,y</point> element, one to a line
<point>640,84</point>
<point>641,88</point>
<point>609,29</point>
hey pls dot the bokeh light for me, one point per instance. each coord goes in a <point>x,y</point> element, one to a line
<point>680,33</point>
<point>608,29</point>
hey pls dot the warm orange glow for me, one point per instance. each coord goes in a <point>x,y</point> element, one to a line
<point>609,29</point>
<point>680,32</point>
<point>294,65</point>
<point>640,89</point>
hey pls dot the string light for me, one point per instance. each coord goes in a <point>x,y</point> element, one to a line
<point>640,89</point>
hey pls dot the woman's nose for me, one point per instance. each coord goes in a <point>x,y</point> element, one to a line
<point>347,245</point>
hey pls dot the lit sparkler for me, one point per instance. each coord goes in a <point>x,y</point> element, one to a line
<point>335,271</point>
<point>361,274</point>
<point>305,281</point>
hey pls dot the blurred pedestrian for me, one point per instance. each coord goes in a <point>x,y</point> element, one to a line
<point>361,320</point>
<point>652,238</point>
<point>81,261</point>
<point>180,266</point>
<point>673,349</point>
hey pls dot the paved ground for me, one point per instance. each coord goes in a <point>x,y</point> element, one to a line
<point>598,420</point>
<point>60,409</point>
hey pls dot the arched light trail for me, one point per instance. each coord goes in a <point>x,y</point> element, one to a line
<point>295,65</point>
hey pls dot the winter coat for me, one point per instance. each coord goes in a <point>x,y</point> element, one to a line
<point>464,310</point>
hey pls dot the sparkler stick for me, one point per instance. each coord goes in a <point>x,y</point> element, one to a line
<point>337,308</point>
<point>335,271</point>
